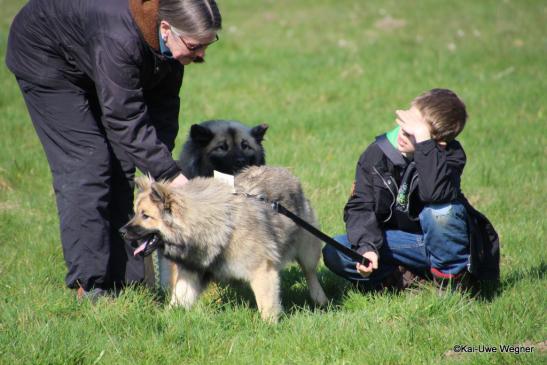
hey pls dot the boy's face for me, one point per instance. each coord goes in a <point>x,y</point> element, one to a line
<point>406,141</point>
<point>414,129</point>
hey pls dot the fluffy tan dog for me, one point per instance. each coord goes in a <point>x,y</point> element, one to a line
<point>210,233</point>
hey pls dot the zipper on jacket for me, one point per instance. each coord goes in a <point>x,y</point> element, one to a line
<point>392,193</point>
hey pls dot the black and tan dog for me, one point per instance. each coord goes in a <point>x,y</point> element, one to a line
<point>222,145</point>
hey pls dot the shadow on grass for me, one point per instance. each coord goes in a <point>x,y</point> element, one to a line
<point>295,294</point>
<point>489,290</point>
<point>514,277</point>
<point>294,290</point>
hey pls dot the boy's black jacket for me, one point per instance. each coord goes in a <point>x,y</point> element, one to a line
<point>370,209</point>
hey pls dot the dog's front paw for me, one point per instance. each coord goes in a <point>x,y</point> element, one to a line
<point>270,317</point>
<point>177,302</point>
<point>186,290</point>
<point>173,303</point>
<point>270,312</point>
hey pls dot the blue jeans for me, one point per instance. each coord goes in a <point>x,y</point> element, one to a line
<point>442,249</point>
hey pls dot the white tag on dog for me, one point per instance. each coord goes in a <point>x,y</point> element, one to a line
<point>225,178</point>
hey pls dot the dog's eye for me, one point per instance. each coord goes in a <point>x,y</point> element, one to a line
<point>245,145</point>
<point>222,147</point>
<point>144,216</point>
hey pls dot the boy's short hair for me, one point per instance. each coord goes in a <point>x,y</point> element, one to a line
<point>444,111</point>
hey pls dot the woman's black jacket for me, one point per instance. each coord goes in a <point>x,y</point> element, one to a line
<point>108,49</point>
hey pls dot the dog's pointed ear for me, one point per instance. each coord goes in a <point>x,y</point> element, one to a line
<point>200,134</point>
<point>259,131</point>
<point>143,182</point>
<point>161,194</point>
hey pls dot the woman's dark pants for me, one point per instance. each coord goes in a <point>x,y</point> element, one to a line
<point>93,184</point>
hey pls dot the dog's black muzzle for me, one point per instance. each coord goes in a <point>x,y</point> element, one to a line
<point>144,241</point>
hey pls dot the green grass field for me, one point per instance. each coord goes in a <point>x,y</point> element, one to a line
<point>326,75</point>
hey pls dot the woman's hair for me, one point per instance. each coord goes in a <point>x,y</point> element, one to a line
<point>196,18</point>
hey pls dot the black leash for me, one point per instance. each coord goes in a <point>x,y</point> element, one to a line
<point>277,207</point>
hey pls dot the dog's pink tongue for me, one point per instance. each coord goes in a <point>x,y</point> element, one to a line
<point>140,248</point>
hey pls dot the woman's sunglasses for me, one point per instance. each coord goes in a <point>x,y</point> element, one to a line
<point>193,47</point>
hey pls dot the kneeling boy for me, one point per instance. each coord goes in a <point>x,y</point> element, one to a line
<point>407,209</point>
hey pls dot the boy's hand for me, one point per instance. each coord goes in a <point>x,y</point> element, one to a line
<point>414,124</point>
<point>372,265</point>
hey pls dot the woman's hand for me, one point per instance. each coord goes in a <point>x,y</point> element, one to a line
<point>372,264</point>
<point>178,181</point>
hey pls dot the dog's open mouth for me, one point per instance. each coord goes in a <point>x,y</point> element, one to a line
<point>147,245</point>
